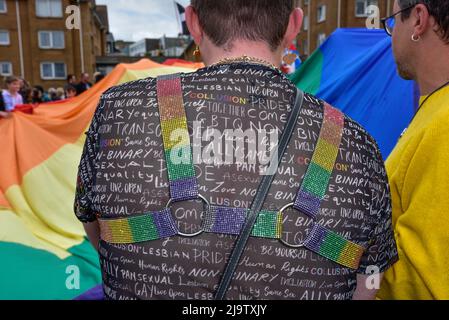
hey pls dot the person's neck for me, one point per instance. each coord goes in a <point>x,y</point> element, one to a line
<point>433,72</point>
<point>257,50</point>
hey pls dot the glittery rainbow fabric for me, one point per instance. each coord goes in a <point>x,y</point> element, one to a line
<point>314,188</point>
<point>175,135</point>
<point>149,227</point>
<point>227,220</point>
<point>316,181</point>
<point>334,247</point>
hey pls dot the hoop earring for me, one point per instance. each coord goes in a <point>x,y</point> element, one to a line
<point>197,52</point>
<point>415,38</point>
<point>290,58</point>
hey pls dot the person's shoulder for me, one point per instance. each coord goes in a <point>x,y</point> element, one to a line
<point>353,132</point>
<point>118,91</point>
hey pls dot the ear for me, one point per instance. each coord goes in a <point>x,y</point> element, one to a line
<point>422,20</point>
<point>294,27</point>
<point>193,24</point>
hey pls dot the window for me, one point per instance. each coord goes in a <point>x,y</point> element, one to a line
<point>305,46</point>
<point>49,8</point>
<point>53,70</point>
<point>4,38</point>
<point>361,7</point>
<point>51,39</point>
<point>306,23</point>
<point>3,8</point>
<point>5,68</point>
<point>321,13</point>
<point>321,38</point>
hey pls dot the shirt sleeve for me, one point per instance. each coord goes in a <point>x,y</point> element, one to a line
<point>86,173</point>
<point>422,222</point>
<point>381,252</point>
<point>19,99</point>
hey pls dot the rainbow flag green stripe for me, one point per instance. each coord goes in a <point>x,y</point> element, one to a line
<point>316,180</point>
<point>176,139</point>
<point>334,247</point>
<point>149,227</point>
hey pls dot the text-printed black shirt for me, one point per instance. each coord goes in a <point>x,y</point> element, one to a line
<point>129,178</point>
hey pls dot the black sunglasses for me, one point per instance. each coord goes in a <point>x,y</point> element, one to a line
<point>390,21</point>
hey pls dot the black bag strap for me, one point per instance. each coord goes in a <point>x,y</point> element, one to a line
<point>258,202</point>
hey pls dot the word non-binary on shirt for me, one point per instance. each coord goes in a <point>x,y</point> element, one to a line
<point>123,173</point>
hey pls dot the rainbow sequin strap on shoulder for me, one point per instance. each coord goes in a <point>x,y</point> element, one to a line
<point>136,229</point>
<point>176,139</point>
<point>316,180</point>
<point>314,188</point>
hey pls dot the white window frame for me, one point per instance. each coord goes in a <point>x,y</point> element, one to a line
<point>51,15</point>
<point>322,17</point>
<point>9,38</point>
<point>306,23</point>
<point>321,38</point>
<point>51,46</point>
<point>367,3</point>
<point>53,77</point>
<point>10,68</point>
<point>6,7</point>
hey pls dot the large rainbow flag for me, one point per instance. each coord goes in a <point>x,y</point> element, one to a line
<point>42,245</point>
<point>355,71</point>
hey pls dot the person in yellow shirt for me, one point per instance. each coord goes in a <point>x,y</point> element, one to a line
<point>418,168</point>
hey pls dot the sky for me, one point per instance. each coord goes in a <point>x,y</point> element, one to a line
<point>133,20</point>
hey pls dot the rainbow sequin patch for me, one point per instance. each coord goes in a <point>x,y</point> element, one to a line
<point>316,180</point>
<point>226,220</point>
<point>149,227</point>
<point>176,139</point>
<point>334,247</point>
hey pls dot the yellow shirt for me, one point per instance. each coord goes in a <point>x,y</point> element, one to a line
<point>418,170</point>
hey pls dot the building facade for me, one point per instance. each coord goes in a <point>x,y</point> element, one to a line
<point>322,17</point>
<point>36,43</point>
<point>144,47</point>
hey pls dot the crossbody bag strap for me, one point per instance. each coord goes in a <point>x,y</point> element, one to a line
<point>258,202</point>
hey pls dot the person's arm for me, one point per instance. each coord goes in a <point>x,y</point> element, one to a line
<point>83,206</point>
<point>366,289</point>
<point>93,233</point>
<point>381,250</point>
<point>422,222</point>
<point>5,115</point>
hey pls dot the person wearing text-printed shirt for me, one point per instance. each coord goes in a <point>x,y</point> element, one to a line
<point>159,148</point>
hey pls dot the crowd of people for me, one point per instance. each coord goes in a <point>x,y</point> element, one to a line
<point>18,91</point>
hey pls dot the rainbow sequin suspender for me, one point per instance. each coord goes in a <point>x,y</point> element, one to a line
<point>314,188</point>
<point>227,220</point>
<point>176,138</point>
